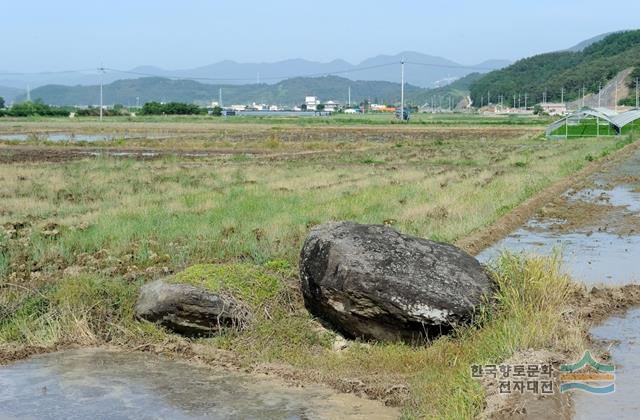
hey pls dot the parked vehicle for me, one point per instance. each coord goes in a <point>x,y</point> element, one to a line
<point>404,115</point>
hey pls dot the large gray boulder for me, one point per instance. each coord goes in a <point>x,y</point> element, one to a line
<point>373,282</point>
<point>187,309</point>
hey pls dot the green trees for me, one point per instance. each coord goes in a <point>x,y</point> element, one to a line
<point>171,108</point>
<point>27,109</point>
<point>562,71</point>
<point>1,102</point>
<point>216,111</point>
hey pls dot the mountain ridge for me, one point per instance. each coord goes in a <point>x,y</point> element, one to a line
<point>232,72</point>
<point>562,74</point>
<point>289,92</point>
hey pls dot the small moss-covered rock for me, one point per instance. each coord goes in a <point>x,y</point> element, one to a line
<point>187,309</point>
<point>253,285</point>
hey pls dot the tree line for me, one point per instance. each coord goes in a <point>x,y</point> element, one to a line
<point>38,108</point>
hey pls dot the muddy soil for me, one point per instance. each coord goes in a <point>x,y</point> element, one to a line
<point>595,224</point>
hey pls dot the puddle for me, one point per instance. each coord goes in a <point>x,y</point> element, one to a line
<point>623,334</point>
<point>67,137</point>
<point>599,258</point>
<point>14,137</point>
<point>621,195</point>
<point>94,383</point>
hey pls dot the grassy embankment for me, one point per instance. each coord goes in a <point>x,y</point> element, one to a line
<point>80,238</point>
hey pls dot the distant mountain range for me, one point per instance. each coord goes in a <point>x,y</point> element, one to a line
<point>428,71</point>
<point>288,92</point>
<point>422,70</point>
<point>589,63</point>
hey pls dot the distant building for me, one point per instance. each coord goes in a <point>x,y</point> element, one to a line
<point>552,108</point>
<point>350,111</point>
<point>238,108</point>
<point>257,107</point>
<point>382,108</point>
<point>331,106</point>
<point>312,103</point>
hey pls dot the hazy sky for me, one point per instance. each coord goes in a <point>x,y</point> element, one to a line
<point>72,34</point>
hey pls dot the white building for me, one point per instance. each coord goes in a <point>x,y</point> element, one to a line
<point>552,108</point>
<point>238,108</point>
<point>331,106</point>
<point>312,103</point>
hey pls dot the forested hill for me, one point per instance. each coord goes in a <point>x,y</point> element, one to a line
<point>571,70</point>
<point>288,92</point>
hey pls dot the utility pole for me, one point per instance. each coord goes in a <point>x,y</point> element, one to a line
<point>220,97</point>
<point>349,96</point>
<point>637,97</point>
<point>525,101</point>
<point>137,102</point>
<point>488,98</point>
<point>514,101</point>
<point>402,90</point>
<point>101,70</point>
<point>615,107</point>
<point>599,94</point>
<point>28,93</point>
<point>583,96</point>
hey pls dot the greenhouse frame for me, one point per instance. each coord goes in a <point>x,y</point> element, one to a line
<point>595,122</point>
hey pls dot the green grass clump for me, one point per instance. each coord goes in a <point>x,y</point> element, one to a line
<point>250,284</point>
<point>277,330</point>
<point>526,313</point>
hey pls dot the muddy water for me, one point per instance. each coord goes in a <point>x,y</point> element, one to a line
<point>594,259</point>
<point>94,383</point>
<point>622,335</point>
<point>596,229</point>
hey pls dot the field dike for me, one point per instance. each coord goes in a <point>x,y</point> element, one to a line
<point>537,311</point>
<point>599,201</point>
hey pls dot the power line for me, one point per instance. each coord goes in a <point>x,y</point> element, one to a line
<point>46,72</point>
<point>449,66</point>
<point>214,79</point>
<point>222,79</point>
